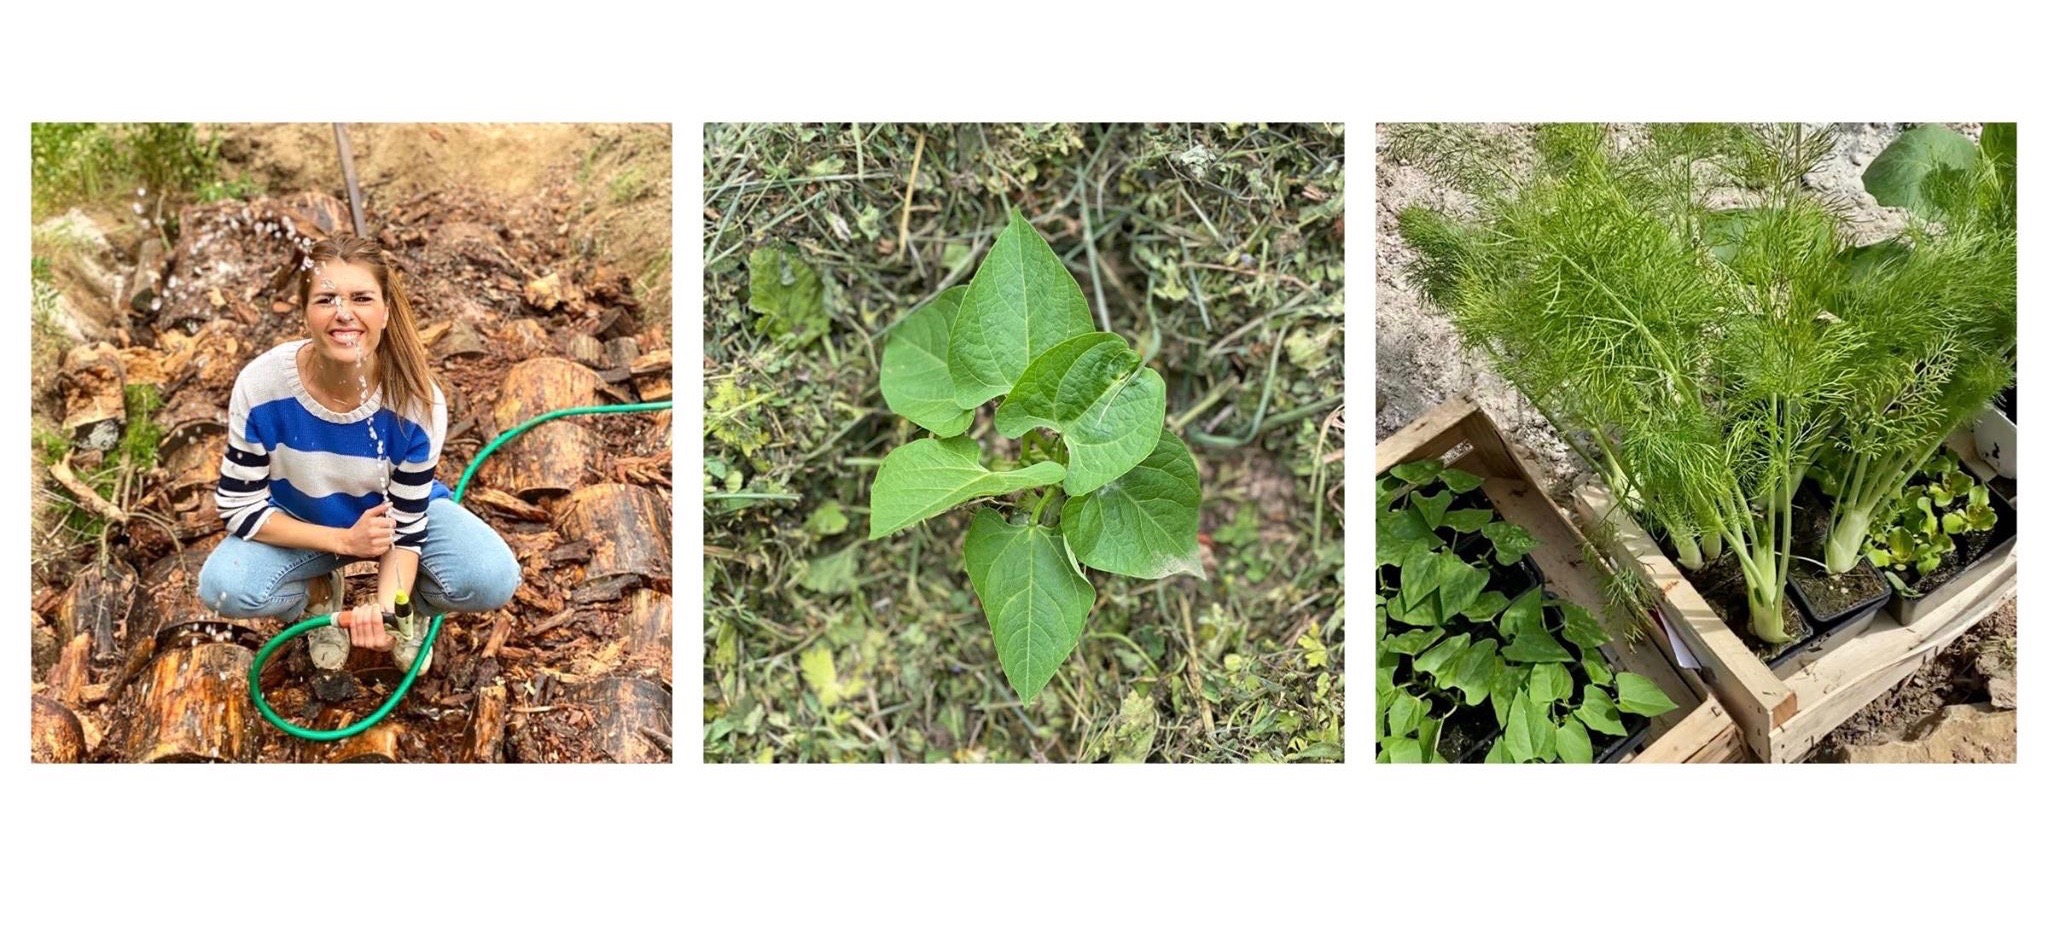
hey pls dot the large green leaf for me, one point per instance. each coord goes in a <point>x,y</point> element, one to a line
<point>1435,587</point>
<point>1035,599</point>
<point>1550,682</point>
<point>1597,711</point>
<point>1142,524</point>
<point>1438,659</point>
<point>1471,674</point>
<point>788,295</point>
<point>1021,302</point>
<point>1536,646</point>
<point>1524,615</point>
<point>1107,406</point>
<point>1404,714</point>
<point>931,476</point>
<point>1402,535</point>
<point>1529,735</point>
<point>1905,174</point>
<point>1411,642</point>
<point>1640,696</point>
<point>916,382</point>
<point>1573,745</point>
<point>1581,628</point>
<point>1508,681</point>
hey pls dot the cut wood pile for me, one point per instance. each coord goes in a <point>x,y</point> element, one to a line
<point>130,665</point>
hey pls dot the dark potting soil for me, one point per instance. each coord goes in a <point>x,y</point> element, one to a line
<point>1721,584</point>
<point>1467,735</point>
<point>1828,597</point>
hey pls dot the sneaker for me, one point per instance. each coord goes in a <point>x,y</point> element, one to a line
<point>408,637</point>
<point>328,646</point>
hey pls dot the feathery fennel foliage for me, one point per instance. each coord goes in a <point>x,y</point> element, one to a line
<point>1692,320</point>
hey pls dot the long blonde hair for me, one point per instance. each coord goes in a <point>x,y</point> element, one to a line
<point>403,375</point>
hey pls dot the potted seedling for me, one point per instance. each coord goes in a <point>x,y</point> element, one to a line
<point>1947,526</point>
<point>1098,483</point>
<point>1475,661</point>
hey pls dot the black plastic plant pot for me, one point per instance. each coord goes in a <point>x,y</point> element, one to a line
<point>1820,628</point>
<point>2000,543</point>
<point>1623,747</point>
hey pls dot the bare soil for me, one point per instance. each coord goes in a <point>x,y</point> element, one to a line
<point>1979,668</point>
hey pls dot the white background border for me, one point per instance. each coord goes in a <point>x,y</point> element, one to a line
<point>1088,849</point>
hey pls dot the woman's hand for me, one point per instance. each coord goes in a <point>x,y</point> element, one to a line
<point>371,536</point>
<point>365,626</point>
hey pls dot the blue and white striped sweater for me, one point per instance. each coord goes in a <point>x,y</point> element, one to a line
<point>287,452</point>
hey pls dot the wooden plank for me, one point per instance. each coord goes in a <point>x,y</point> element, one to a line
<point>1756,698</point>
<point>1840,684</point>
<point>1427,437</point>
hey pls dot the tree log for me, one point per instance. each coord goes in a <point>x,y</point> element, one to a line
<point>627,529</point>
<point>99,602</point>
<point>172,597</point>
<point>649,629</point>
<point>633,719</point>
<point>553,458</point>
<point>73,671</point>
<point>484,743</point>
<point>55,735</point>
<point>377,744</point>
<point>191,461</point>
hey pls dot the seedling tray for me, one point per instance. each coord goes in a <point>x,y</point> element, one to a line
<point>1461,434</point>
<point>2003,535</point>
<point>1778,713</point>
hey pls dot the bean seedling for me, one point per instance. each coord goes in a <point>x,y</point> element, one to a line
<point>1102,483</point>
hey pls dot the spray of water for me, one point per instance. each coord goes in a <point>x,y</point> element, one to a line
<point>362,385</point>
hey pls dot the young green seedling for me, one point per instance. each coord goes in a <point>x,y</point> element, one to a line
<point>1128,496</point>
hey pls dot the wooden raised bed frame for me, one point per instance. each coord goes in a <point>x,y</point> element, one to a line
<point>1462,434</point>
<point>1777,714</point>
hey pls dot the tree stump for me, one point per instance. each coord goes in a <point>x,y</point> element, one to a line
<point>54,733</point>
<point>556,457</point>
<point>195,705</point>
<point>627,529</point>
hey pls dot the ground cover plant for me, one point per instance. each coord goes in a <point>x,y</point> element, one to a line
<point>1473,656</point>
<point>1021,330</point>
<point>1215,251</point>
<point>1698,327</point>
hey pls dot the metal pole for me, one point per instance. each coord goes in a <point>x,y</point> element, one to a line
<point>348,173</point>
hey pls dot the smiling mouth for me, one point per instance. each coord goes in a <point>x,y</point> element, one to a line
<point>345,335</point>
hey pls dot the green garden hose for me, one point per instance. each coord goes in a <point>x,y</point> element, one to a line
<point>434,626</point>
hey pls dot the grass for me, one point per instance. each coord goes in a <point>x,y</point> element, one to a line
<point>1218,251</point>
<point>152,167</point>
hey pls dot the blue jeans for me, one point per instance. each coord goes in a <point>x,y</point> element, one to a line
<point>464,566</point>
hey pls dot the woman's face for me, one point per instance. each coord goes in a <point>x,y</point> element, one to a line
<point>345,312</point>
